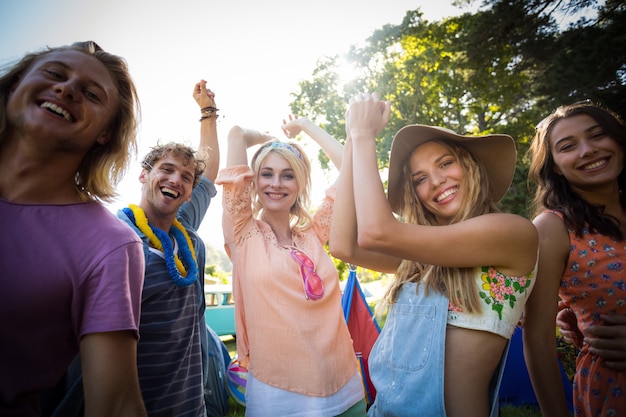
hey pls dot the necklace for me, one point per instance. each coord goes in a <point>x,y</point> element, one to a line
<point>184,272</point>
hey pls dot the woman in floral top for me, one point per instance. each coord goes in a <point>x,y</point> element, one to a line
<point>463,269</point>
<point>578,164</point>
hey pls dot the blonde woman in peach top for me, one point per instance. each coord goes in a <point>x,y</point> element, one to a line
<point>291,333</point>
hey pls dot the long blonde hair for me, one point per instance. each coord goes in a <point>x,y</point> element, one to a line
<point>300,217</point>
<point>456,283</point>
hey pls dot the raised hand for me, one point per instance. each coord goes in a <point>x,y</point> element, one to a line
<point>294,126</point>
<point>367,115</point>
<point>203,96</point>
<point>329,144</point>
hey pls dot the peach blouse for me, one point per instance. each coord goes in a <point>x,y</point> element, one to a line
<point>284,340</point>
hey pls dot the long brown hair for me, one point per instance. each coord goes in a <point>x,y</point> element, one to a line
<point>553,190</point>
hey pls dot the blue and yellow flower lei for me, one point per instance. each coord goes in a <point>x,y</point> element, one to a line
<point>184,272</point>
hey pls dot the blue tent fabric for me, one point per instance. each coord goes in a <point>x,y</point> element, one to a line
<point>363,328</point>
<point>353,285</point>
<point>516,388</point>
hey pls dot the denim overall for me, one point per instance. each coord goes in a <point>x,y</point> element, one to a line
<point>407,362</point>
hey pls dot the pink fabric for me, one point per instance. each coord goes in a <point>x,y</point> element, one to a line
<point>285,340</point>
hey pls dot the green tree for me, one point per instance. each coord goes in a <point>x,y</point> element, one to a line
<point>217,265</point>
<point>589,61</point>
<point>583,60</point>
<point>501,69</point>
<point>320,101</point>
<point>218,259</point>
<point>433,74</point>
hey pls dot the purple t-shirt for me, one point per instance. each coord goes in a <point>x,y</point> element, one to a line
<point>66,271</point>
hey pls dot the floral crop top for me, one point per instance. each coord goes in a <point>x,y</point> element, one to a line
<point>503,301</point>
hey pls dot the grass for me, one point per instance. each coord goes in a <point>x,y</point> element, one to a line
<point>509,411</point>
<point>236,410</point>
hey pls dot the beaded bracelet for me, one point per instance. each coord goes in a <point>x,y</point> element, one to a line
<point>208,112</point>
<point>210,116</point>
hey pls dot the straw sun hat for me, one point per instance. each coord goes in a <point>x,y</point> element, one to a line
<point>497,153</point>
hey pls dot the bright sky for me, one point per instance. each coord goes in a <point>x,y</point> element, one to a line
<point>252,54</point>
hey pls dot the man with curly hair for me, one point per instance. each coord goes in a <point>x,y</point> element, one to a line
<point>176,190</point>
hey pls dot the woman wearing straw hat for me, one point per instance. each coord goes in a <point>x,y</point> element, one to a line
<point>463,269</point>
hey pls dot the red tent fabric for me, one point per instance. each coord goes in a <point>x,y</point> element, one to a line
<point>363,327</point>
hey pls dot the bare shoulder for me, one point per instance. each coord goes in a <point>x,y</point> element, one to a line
<point>549,222</point>
<point>553,236</point>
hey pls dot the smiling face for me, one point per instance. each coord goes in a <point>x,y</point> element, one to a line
<point>437,175</point>
<point>67,98</point>
<point>276,184</point>
<point>166,187</point>
<point>584,153</point>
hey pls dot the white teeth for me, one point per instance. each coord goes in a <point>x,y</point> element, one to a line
<point>446,194</point>
<point>594,165</point>
<point>169,191</point>
<point>58,110</point>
